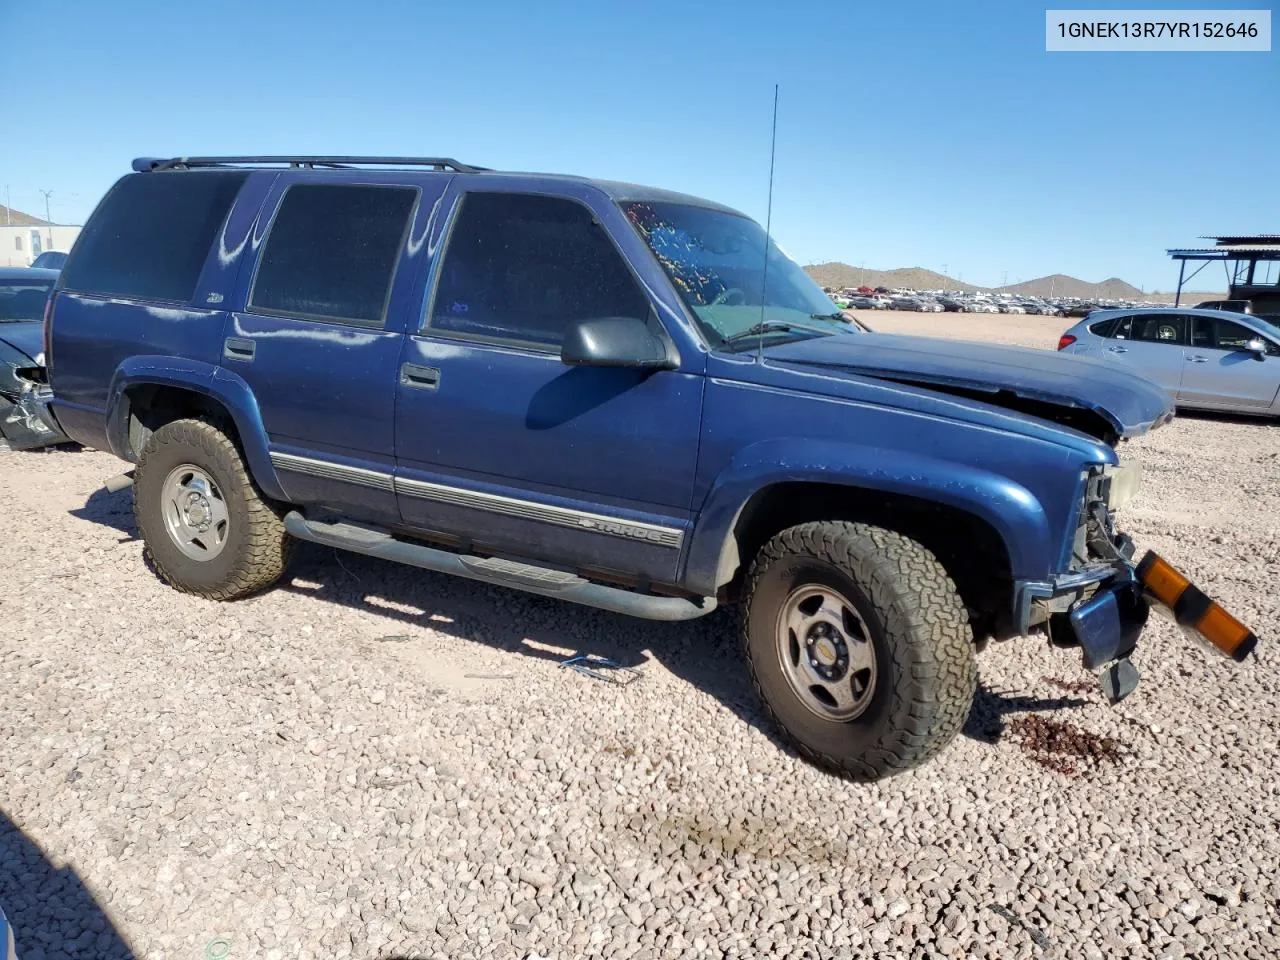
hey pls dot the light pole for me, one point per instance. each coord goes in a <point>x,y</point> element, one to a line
<point>47,218</point>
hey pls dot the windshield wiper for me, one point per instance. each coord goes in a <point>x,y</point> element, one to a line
<point>774,326</point>
<point>829,316</point>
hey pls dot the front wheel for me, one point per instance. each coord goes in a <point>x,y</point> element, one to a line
<point>859,647</point>
<point>207,528</point>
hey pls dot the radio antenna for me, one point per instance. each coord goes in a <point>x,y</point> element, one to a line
<point>768,228</point>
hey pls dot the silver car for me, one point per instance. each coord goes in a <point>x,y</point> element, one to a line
<point>1208,359</point>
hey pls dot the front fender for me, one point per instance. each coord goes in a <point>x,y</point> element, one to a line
<point>216,383</point>
<point>1011,510</point>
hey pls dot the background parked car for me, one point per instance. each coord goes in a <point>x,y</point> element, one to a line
<point>24,424</point>
<point>50,260</point>
<point>1208,359</point>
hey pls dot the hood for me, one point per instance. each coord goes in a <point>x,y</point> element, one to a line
<point>24,336</point>
<point>1041,383</point>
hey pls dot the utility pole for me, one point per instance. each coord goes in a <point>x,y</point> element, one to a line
<point>1005,281</point>
<point>48,219</point>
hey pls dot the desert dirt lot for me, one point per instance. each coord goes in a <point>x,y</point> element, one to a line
<point>374,761</point>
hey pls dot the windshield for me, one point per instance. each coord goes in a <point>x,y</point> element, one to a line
<point>23,299</point>
<point>717,262</point>
<point>1267,324</point>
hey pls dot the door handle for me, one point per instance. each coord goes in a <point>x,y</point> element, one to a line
<point>1198,359</point>
<point>1118,349</point>
<point>236,348</point>
<point>423,378</point>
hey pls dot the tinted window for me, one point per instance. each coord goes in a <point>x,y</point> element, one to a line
<point>23,299</point>
<point>149,238</point>
<point>1159,328</point>
<point>524,268</point>
<point>1102,328</point>
<point>1225,335</point>
<point>332,252</point>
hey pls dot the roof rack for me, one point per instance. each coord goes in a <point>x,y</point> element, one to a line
<point>148,164</point>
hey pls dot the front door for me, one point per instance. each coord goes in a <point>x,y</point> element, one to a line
<point>502,447</point>
<point>318,339</point>
<point>1220,370</point>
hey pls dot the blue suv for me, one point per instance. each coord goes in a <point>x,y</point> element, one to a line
<point>612,394</point>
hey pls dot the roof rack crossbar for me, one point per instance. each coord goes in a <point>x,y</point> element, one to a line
<point>147,164</point>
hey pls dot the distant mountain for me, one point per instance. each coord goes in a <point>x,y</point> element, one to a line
<point>916,278</point>
<point>1060,285</point>
<point>841,275</point>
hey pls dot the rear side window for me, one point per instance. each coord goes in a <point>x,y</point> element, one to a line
<point>1103,327</point>
<point>151,235</point>
<point>1160,328</point>
<point>332,252</point>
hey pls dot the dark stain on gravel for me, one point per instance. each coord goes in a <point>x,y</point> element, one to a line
<point>1065,747</point>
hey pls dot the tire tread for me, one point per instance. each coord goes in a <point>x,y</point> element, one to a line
<point>926,626</point>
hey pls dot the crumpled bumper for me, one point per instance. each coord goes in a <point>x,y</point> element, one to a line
<point>1103,611</point>
<point>26,422</point>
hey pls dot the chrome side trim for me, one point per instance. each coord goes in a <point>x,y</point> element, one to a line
<point>542,513</point>
<point>332,471</point>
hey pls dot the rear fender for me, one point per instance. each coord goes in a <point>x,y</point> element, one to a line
<point>1011,510</point>
<point>216,383</point>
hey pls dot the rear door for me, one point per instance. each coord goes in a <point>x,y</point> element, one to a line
<point>1219,370</point>
<point>320,332</point>
<point>1151,343</point>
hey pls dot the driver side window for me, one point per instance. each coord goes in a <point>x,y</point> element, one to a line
<point>521,268</point>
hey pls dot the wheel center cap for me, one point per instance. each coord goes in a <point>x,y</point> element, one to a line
<point>825,651</point>
<point>197,510</point>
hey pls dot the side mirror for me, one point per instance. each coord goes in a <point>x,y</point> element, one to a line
<point>1258,347</point>
<point>614,342</point>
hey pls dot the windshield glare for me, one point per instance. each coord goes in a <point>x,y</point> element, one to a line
<point>23,299</point>
<point>717,262</point>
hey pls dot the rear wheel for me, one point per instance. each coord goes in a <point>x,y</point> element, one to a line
<point>208,529</point>
<point>859,646</point>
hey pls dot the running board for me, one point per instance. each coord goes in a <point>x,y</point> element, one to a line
<point>544,581</point>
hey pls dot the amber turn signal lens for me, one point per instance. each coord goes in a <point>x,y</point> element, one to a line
<point>1192,609</point>
<point>1161,580</point>
<point>1226,632</point>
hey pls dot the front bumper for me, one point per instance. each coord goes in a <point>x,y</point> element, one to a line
<point>1103,611</point>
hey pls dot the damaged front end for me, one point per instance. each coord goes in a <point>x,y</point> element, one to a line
<point>1102,603</point>
<point>26,422</point>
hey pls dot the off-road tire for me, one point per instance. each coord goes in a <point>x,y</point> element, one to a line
<point>257,548</point>
<point>926,674</point>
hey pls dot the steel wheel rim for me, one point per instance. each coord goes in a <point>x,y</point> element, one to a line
<point>825,652</point>
<point>195,513</point>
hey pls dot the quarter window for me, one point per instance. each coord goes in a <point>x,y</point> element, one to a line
<point>150,237</point>
<point>332,252</point>
<point>523,268</point>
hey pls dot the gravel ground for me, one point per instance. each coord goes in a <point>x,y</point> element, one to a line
<point>374,761</point>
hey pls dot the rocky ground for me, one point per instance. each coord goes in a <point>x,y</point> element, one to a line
<point>373,761</point>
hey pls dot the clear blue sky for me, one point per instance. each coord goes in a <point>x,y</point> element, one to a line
<point>909,133</point>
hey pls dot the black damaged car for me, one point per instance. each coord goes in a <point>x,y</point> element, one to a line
<point>24,393</point>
